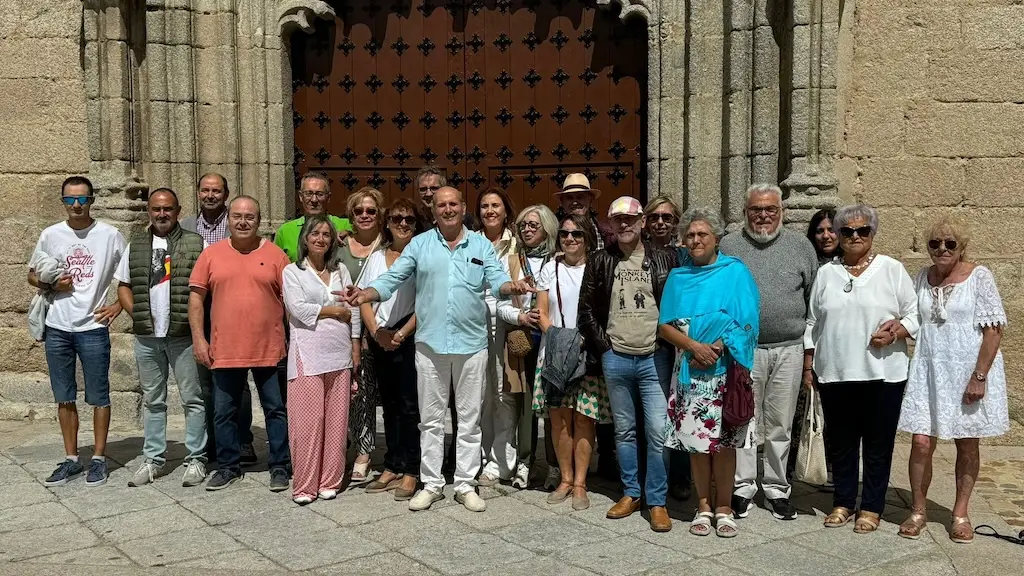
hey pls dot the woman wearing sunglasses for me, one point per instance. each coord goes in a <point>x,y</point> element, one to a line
<point>862,310</point>
<point>574,417</point>
<point>364,213</point>
<point>389,328</point>
<point>957,384</point>
<point>662,218</point>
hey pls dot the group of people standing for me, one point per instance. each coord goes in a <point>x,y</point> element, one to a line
<point>624,337</point>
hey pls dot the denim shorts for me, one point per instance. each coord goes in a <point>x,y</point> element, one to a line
<point>93,348</point>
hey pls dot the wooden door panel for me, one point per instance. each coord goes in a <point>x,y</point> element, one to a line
<point>509,93</point>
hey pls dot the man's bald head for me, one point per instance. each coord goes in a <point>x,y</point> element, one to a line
<point>449,207</point>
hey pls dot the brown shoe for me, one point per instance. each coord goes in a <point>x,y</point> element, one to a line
<point>660,522</point>
<point>406,488</point>
<point>384,483</point>
<point>623,508</point>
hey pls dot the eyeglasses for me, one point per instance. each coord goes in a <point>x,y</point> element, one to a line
<point>82,200</point>
<point>863,231</point>
<point>577,234</point>
<point>359,211</point>
<point>317,194</point>
<point>429,188</point>
<point>396,220</point>
<point>937,245</point>
<point>769,210</point>
<point>662,216</point>
<point>529,225</point>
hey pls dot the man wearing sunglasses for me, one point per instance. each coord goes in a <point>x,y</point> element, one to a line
<point>77,323</point>
<point>784,265</point>
<point>315,194</point>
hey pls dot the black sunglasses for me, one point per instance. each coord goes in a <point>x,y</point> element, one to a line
<point>577,234</point>
<point>360,211</point>
<point>863,231</point>
<point>664,217</point>
<point>936,245</point>
<point>410,220</point>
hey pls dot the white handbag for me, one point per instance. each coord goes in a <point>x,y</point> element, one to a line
<point>810,456</point>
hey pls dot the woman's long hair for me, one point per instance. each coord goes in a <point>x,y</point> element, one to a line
<point>332,258</point>
<point>812,230</point>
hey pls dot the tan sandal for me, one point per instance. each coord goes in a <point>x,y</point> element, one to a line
<point>912,527</point>
<point>838,518</point>
<point>960,535</point>
<point>866,523</point>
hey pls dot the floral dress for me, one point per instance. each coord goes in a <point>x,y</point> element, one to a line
<point>695,413</point>
<point>952,317</point>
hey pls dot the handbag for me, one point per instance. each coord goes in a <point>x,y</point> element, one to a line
<point>738,403</point>
<point>810,456</point>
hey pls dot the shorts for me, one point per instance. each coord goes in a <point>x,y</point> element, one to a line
<point>92,347</point>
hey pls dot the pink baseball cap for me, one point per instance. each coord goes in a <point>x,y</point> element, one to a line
<point>625,206</point>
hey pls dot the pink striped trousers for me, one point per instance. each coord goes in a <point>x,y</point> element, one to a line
<point>318,430</point>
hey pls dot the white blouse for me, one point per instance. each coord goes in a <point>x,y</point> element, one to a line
<point>323,344</point>
<point>840,323</point>
<point>402,302</point>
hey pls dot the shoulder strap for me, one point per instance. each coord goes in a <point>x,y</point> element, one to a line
<point>558,291</point>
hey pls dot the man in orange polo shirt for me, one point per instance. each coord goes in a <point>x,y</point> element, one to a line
<point>242,274</point>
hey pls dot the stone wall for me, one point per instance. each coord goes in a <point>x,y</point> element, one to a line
<point>932,100</point>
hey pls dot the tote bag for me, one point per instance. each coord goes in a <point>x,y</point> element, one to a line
<point>810,456</point>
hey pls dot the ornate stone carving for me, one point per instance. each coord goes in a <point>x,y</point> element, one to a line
<point>302,14</point>
<point>646,9</point>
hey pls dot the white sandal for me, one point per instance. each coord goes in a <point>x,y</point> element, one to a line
<point>701,524</point>
<point>723,520</point>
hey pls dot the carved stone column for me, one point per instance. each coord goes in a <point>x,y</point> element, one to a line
<point>812,182</point>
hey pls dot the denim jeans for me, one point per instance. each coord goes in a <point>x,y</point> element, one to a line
<point>155,358</point>
<point>93,348</point>
<point>641,380</point>
<point>244,420</point>
<point>228,384</point>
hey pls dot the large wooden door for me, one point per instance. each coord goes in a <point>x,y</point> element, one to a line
<point>509,93</point>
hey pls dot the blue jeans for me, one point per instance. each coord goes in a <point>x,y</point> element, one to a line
<point>640,379</point>
<point>93,348</point>
<point>228,384</point>
<point>156,357</point>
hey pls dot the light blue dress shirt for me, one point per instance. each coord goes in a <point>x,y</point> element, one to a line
<point>451,316</point>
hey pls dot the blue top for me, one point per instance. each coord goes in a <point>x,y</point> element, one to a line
<point>451,316</point>
<point>720,301</point>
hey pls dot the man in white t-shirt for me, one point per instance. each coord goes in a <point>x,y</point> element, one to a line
<point>154,290</point>
<point>77,323</point>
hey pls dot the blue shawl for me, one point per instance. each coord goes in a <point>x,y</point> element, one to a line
<point>720,301</point>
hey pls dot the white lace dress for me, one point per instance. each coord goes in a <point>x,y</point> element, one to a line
<point>944,358</point>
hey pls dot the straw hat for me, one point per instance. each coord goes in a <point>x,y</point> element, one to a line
<point>578,183</point>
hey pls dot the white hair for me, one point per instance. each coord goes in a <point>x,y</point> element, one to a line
<point>762,188</point>
<point>756,189</point>
<point>698,214</point>
<point>847,213</point>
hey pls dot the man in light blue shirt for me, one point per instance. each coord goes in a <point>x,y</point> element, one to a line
<point>452,267</point>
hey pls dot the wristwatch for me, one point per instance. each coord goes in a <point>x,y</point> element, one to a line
<point>979,376</point>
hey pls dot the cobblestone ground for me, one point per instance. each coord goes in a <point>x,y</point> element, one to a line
<point>167,529</point>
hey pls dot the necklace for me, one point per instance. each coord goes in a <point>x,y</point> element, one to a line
<point>855,268</point>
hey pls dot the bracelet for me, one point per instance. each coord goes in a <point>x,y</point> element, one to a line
<point>808,369</point>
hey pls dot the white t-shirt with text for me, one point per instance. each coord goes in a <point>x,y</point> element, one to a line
<point>159,284</point>
<point>90,257</point>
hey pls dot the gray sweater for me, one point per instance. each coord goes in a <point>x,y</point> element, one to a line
<point>784,270</point>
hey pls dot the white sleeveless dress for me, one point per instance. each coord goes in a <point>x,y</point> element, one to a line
<point>944,359</point>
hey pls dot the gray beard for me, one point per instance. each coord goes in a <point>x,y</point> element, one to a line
<point>762,238</point>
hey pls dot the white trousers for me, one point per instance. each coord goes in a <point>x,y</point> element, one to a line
<point>434,375</point>
<point>776,381</point>
<point>501,413</point>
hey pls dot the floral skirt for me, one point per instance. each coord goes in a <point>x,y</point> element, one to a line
<point>588,396</point>
<point>695,420</point>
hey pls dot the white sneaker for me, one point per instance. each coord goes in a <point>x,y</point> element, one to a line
<point>554,478</point>
<point>302,500</point>
<point>195,473</point>
<point>424,499</point>
<point>522,478</point>
<point>328,494</point>
<point>472,501</point>
<point>146,473</point>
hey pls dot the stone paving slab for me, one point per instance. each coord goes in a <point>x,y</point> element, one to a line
<point>166,529</point>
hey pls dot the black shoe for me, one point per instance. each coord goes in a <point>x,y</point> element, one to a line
<point>681,492</point>
<point>222,479</point>
<point>781,508</point>
<point>741,506</point>
<point>247,454</point>
<point>278,480</point>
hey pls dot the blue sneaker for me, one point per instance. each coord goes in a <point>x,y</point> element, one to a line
<point>65,471</point>
<point>97,475</point>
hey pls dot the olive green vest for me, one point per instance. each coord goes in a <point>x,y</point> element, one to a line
<point>184,248</point>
